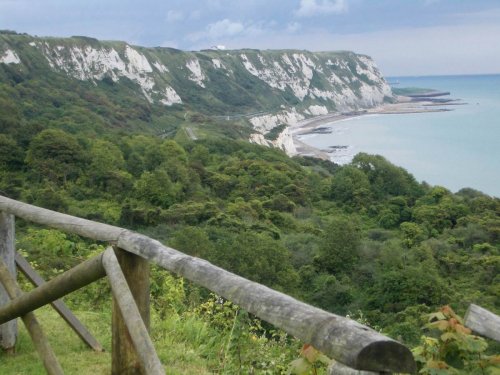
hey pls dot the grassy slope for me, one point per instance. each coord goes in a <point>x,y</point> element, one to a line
<point>178,351</point>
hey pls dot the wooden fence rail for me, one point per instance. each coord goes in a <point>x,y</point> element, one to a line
<point>340,338</point>
<point>483,322</point>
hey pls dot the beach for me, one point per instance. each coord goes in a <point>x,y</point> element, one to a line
<point>402,105</point>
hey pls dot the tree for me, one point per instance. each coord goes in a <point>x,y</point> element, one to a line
<point>331,294</point>
<point>56,155</point>
<point>412,233</point>
<point>107,168</point>
<point>385,178</point>
<point>156,188</point>
<point>396,289</point>
<point>256,256</point>
<point>193,241</point>
<point>339,250</point>
<point>11,155</point>
<point>350,185</point>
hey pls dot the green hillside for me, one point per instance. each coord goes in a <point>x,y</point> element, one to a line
<point>365,239</point>
<point>89,84</point>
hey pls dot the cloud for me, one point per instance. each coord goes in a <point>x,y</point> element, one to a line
<point>174,16</point>
<point>195,15</point>
<point>402,51</point>
<point>310,8</point>
<point>293,27</point>
<point>227,29</point>
<point>223,28</point>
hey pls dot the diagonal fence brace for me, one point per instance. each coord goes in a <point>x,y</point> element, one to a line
<point>65,283</point>
<point>61,308</point>
<point>32,326</point>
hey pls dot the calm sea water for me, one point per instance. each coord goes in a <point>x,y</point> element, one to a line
<point>455,149</point>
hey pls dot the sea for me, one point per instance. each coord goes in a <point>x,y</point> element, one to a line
<point>455,149</point>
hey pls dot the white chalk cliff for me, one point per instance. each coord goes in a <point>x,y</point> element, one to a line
<point>283,87</point>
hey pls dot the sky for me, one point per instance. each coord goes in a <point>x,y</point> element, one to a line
<point>405,37</point>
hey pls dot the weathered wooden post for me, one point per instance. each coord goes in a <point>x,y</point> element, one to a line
<point>8,331</point>
<point>136,270</point>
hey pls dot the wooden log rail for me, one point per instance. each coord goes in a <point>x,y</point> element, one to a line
<point>348,342</point>
<point>483,322</point>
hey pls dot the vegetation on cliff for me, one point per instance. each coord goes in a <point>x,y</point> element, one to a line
<point>364,239</point>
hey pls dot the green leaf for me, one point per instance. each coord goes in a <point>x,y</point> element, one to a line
<point>473,344</point>
<point>300,366</point>
<point>436,316</point>
<point>449,336</point>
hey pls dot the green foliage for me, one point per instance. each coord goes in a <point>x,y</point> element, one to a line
<point>274,133</point>
<point>107,168</point>
<point>453,349</point>
<point>410,286</point>
<point>11,155</point>
<point>193,241</point>
<point>332,236</point>
<point>385,178</point>
<point>56,155</point>
<point>255,256</point>
<point>310,361</point>
<point>439,210</point>
<point>350,185</point>
<point>168,295</point>
<point>412,234</point>
<point>156,188</point>
<point>361,237</point>
<point>339,250</point>
<point>247,347</point>
<point>327,291</point>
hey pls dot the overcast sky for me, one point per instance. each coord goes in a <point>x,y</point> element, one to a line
<point>405,37</point>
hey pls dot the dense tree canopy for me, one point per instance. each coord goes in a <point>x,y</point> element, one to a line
<point>361,237</point>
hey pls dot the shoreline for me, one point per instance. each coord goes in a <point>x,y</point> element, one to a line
<point>403,105</point>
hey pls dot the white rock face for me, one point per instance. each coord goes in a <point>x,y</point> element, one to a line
<point>281,77</point>
<point>265,123</point>
<point>317,110</point>
<point>258,138</point>
<point>217,64</point>
<point>161,68</point>
<point>369,70</point>
<point>10,57</point>
<point>138,63</point>
<point>197,74</point>
<point>171,97</point>
<point>348,91</point>
<point>94,64</point>
<point>284,141</point>
<point>296,72</point>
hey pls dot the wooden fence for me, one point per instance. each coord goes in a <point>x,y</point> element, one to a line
<point>356,348</point>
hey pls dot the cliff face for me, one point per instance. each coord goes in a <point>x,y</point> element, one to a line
<point>270,88</point>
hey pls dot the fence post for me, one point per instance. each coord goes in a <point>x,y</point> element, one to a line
<point>8,331</point>
<point>136,271</point>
